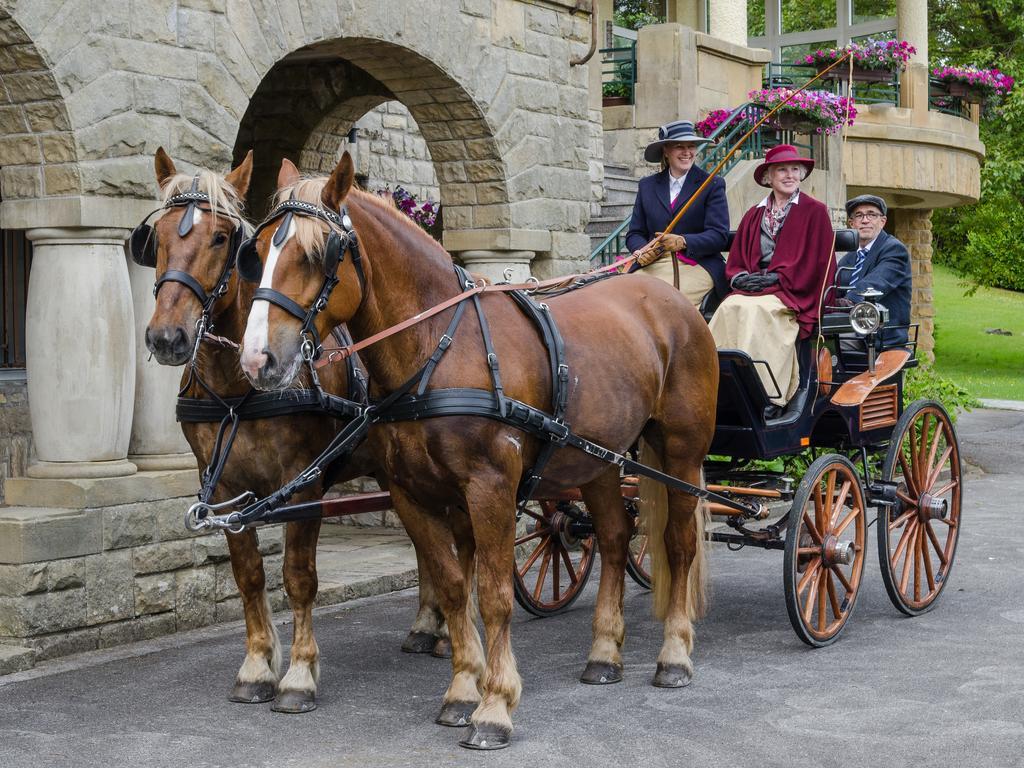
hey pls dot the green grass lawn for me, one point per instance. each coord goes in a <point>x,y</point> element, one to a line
<point>985,364</point>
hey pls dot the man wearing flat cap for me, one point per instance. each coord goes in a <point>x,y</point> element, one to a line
<point>698,239</point>
<point>881,262</point>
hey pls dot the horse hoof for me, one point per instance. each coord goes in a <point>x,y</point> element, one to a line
<point>487,736</point>
<point>601,673</point>
<point>442,648</point>
<point>419,642</point>
<point>456,714</point>
<point>294,702</point>
<point>672,676</point>
<point>252,693</point>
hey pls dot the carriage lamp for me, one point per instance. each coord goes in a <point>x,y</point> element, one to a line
<point>866,318</point>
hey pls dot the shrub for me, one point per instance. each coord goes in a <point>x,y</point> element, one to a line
<point>924,382</point>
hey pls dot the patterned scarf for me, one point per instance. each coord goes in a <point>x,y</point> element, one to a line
<point>774,217</point>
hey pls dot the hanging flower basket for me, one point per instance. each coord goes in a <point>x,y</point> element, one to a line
<point>972,84</point>
<point>874,61</point>
<point>807,112</point>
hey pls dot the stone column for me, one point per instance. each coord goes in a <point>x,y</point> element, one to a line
<point>492,264</point>
<point>80,344</point>
<point>912,26</point>
<point>156,439</point>
<point>728,21</point>
<point>914,229</point>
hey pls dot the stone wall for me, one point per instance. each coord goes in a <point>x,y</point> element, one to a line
<point>98,577</point>
<point>15,431</point>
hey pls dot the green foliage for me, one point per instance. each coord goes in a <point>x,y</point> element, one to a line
<point>924,382</point>
<point>633,14</point>
<point>982,241</point>
<point>616,88</point>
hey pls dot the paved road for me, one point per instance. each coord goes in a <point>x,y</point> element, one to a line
<point>943,689</point>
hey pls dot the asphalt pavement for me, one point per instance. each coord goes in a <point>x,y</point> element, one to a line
<point>942,689</point>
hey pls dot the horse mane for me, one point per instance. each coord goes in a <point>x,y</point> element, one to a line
<point>311,234</point>
<point>223,197</point>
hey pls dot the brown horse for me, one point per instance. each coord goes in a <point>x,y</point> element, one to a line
<point>266,452</point>
<point>642,363</point>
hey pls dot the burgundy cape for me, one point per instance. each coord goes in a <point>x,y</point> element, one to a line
<point>803,257</point>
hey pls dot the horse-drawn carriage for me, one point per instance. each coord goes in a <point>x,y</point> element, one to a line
<point>464,447</point>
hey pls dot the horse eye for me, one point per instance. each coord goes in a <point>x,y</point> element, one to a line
<point>220,238</point>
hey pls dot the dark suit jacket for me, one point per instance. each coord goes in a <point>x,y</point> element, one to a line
<point>886,269</point>
<point>705,225</point>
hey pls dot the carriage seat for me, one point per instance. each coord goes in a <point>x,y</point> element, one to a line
<point>742,398</point>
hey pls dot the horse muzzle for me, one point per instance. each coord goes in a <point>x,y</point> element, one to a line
<point>170,345</point>
<point>266,371</point>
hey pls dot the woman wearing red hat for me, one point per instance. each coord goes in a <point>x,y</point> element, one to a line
<point>781,260</point>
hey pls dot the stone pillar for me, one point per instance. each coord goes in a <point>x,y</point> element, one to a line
<point>914,229</point>
<point>912,26</point>
<point>80,344</point>
<point>492,264</point>
<point>156,439</point>
<point>728,21</point>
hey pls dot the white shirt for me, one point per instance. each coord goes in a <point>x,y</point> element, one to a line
<point>675,186</point>
<point>867,247</point>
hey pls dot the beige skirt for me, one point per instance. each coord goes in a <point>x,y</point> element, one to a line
<point>694,280</point>
<point>766,329</point>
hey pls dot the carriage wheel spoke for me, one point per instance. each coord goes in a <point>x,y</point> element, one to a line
<point>832,597</point>
<point>812,569</point>
<point>927,558</point>
<point>935,543</point>
<point>946,488</point>
<point>908,475</point>
<point>538,516</point>
<point>842,579</point>
<point>910,556</point>
<point>822,600</point>
<point>811,529</point>
<point>812,598</point>
<point>529,536</point>
<point>840,503</point>
<point>904,541</point>
<point>825,517</point>
<point>899,521</point>
<point>939,434</point>
<point>918,554</point>
<point>539,586</point>
<point>818,504</point>
<point>643,550</point>
<point>570,569</point>
<point>846,522</point>
<point>556,582</point>
<point>933,474</point>
<point>919,464</point>
<point>540,550</point>
<point>912,456</point>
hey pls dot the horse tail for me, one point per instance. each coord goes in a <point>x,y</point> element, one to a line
<point>697,577</point>
<point>654,521</point>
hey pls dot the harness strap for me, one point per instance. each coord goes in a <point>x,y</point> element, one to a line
<point>177,276</point>
<point>265,405</point>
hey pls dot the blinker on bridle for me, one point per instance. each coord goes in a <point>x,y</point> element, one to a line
<point>340,238</point>
<point>142,245</point>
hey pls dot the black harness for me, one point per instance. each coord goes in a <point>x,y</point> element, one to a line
<point>412,401</point>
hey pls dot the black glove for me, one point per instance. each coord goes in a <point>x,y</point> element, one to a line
<point>756,282</point>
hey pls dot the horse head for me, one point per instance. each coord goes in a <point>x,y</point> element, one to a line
<point>192,245</point>
<point>304,256</point>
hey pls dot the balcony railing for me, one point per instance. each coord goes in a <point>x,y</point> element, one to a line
<point>886,90</point>
<point>727,134</point>
<point>939,100</point>
<point>618,72</point>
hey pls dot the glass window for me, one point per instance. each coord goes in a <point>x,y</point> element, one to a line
<point>887,34</point>
<point>755,18</point>
<point>872,10</point>
<point>807,15</point>
<point>791,53</point>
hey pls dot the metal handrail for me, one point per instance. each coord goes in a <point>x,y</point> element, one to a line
<point>618,68</point>
<point>941,101</point>
<point>885,91</point>
<point>613,247</point>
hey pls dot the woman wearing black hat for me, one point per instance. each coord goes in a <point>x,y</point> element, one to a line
<point>698,239</point>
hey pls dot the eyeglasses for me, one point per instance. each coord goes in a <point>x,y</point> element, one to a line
<point>866,216</point>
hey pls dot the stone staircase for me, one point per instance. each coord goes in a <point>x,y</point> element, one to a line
<point>619,196</point>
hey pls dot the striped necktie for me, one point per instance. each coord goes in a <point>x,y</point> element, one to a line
<point>858,267</point>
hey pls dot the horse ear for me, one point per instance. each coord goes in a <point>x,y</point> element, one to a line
<point>340,183</point>
<point>288,174</point>
<point>239,178</point>
<point>165,169</point>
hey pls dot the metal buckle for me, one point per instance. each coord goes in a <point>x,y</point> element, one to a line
<point>555,436</point>
<point>445,342</point>
<point>308,349</point>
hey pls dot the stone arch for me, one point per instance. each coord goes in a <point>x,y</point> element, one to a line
<point>326,87</point>
<point>38,155</point>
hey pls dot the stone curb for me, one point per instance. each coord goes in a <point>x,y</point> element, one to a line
<point>1002,405</point>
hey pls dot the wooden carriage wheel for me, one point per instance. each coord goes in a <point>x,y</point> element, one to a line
<point>917,536</point>
<point>552,562</point>
<point>824,557</point>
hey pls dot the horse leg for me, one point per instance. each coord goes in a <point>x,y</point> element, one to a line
<point>256,681</point>
<point>490,502</point>
<point>685,549</point>
<point>613,528</point>
<point>297,690</point>
<point>436,537</point>
<point>429,633</point>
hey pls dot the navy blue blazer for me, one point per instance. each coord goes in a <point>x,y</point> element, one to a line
<point>886,269</point>
<point>705,225</point>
